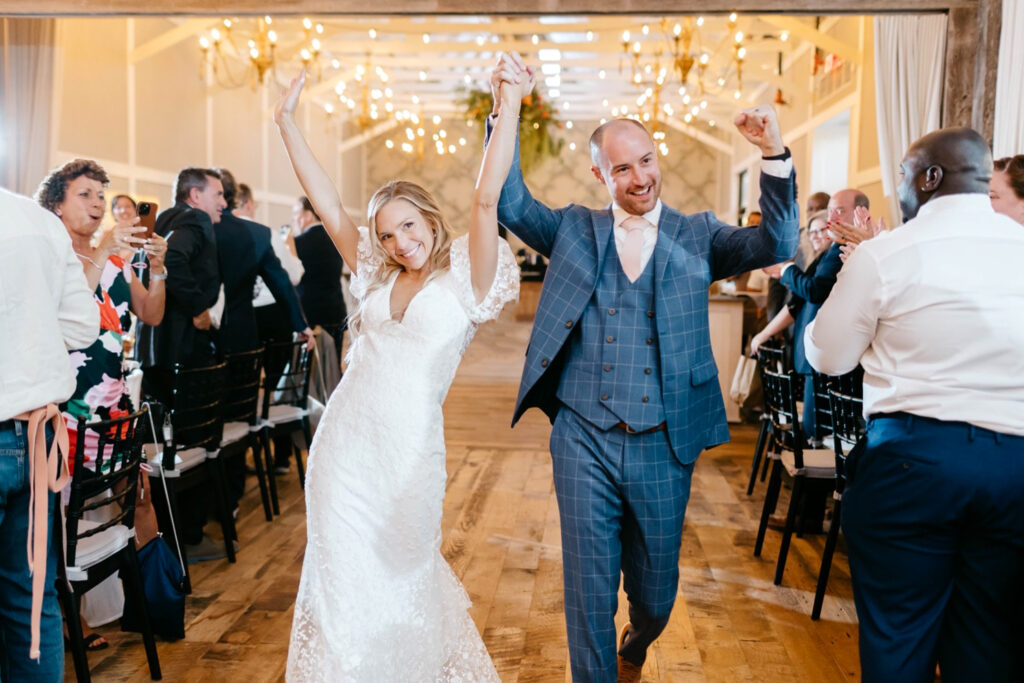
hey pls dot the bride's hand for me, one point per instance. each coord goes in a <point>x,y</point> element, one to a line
<point>289,101</point>
<point>512,94</point>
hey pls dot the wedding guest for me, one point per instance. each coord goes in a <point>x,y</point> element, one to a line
<point>1007,187</point>
<point>123,208</point>
<point>74,192</point>
<point>933,513</point>
<point>53,311</point>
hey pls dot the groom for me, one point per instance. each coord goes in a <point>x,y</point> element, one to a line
<point>620,360</point>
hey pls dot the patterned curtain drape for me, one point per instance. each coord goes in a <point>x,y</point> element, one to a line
<point>27,56</point>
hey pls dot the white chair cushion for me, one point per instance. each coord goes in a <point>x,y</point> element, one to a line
<point>183,461</point>
<point>234,432</point>
<point>819,463</point>
<point>94,549</point>
<point>278,415</point>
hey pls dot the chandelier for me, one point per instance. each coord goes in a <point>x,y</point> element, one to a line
<point>223,46</point>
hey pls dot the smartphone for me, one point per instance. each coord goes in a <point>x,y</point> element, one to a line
<point>147,218</point>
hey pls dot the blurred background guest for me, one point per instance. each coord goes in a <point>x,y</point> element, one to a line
<point>320,287</point>
<point>1007,187</point>
<point>124,208</point>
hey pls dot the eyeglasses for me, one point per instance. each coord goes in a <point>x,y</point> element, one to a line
<point>816,232</point>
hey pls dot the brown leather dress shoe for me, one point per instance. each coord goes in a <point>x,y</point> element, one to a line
<point>628,671</point>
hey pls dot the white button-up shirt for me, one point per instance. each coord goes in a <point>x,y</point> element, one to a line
<point>780,168</point>
<point>46,307</point>
<point>934,312</point>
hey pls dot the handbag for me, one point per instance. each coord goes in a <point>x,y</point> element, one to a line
<point>163,580</point>
<point>163,584</point>
<point>743,379</point>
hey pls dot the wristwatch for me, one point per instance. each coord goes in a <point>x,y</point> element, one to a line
<point>158,276</point>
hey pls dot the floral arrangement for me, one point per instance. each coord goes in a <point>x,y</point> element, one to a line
<point>537,119</point>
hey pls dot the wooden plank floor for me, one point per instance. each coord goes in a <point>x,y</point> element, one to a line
<point>501,536</point>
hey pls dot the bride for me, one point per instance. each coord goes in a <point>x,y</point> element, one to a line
<point>377,601</point>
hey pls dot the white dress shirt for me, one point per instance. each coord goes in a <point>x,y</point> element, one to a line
<point>934,312</point>
<point>46,307</point>
<point>780,168</point>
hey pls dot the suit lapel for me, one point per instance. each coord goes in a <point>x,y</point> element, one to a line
<point>668,228</point>
<point>603,222</point>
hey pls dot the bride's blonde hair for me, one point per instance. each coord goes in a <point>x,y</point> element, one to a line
<point>438,260</point>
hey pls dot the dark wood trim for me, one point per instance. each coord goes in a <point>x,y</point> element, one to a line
<point>507,7</point>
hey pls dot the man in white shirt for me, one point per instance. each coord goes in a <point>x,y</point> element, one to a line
<point>934,511</point>
<point>45,309</point>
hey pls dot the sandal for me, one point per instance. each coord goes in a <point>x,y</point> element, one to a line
<point>90,642</point>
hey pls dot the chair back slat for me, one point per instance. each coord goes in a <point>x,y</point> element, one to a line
<point>197,407</point>
<point>289,385</point>
<point>241,400</point>
<point>114,481</point>
<point>848,428</point>
<point>780,395</point>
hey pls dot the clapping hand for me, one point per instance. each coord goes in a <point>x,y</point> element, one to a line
<point>760,126</point>
<point>863,228</point>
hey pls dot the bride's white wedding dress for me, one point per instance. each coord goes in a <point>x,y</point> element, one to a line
<point>377,601</point>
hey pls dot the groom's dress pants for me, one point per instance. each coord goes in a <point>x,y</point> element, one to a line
<point>621,500</point>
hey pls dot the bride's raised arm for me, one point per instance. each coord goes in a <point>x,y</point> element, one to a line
<point>483,217</point>
<point>314,180</point>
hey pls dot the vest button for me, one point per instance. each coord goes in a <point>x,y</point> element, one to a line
<point>607,368</point>
<point>611,311</point>
<point>650,314</point>
<point>568,324</point>
<point>649,340</point>
<point>645,399</point>
<point>647,371</point>
<point>610,339</point>
<point>544,363</point>
<point>604,397</point>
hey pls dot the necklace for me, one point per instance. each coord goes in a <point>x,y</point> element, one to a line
<point>86,258</point>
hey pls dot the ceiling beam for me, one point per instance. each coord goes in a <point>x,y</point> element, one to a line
<point>353,142</point>
<point>799,29</point>
<point>183,31</point>
<point>698,135</point>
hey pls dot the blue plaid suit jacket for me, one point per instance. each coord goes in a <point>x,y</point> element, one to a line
<point>691,252</point>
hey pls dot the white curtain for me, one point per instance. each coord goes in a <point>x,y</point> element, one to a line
<point>27,49</point>
<point>909,70</point>
<point>1008,138</point>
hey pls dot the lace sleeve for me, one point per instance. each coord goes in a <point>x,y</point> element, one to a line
<point>366,264</point>
<point>504,289</point>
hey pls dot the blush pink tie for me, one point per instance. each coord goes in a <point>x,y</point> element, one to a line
<point>631,255</point>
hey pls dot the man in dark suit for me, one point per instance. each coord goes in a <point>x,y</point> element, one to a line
<point>244,251</point>
<point>620,360</point>
<point>320,287</point>
<point>186,335</point>
<point>193,282</point>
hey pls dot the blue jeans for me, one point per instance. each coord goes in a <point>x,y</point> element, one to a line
<point>15,580</point>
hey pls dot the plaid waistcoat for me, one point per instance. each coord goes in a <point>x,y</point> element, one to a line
<point>612,371</point>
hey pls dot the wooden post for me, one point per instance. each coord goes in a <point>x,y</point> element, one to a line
<point>972,54</point>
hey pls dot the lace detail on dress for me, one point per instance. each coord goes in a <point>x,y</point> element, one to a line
<point>366,264</point>
<point>504,289</point>
<point>377,602</point>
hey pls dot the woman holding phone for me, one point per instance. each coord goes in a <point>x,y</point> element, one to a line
<point>75,193</point>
